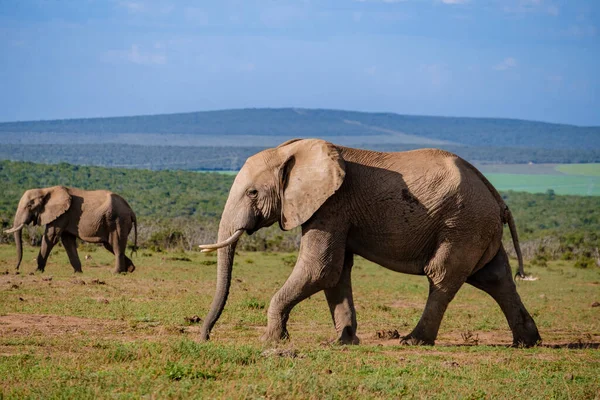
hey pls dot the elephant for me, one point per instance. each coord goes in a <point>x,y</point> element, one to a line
<point>423,212</point>
<point>97,216</point>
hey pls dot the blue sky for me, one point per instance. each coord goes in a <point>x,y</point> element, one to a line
<point>528,59</point>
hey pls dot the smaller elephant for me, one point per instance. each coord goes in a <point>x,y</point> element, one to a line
<point>97,216</point>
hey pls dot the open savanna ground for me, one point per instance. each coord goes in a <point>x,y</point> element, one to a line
<point>563,179</point>
<point>100,335</point>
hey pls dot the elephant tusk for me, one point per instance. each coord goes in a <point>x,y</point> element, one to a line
<point>13,230</point>
<point>211,247</point>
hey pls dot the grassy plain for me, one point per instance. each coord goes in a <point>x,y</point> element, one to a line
<point>564,179</point>
<point>570,179</point>
<point>580,169</point>
<point>100,335</point>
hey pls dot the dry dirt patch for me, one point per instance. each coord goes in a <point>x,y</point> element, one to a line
<point>24,325</point>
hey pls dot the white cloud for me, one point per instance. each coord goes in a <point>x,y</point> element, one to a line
<point>506,64</point>
<point>454,1</point>
<point>520,7</point>
<point>381,1</point>
<point>145,7</point>
<point>133,6</point>
<point>580,31</point>
<point>135,56</point>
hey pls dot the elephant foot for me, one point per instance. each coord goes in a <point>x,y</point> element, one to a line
<point>348,337</point>
<point>129,269</point>
<point>78,271</point>
<point>348,341</point>
<point>529,341</point>
<point>273,337</point>
<point>412,340</point>
<point>40,270</point>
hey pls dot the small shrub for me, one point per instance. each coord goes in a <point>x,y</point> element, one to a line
<point>177,372</point>
<point>540,260</point>
<point>122,353</point>
<point>179,259</point>
<point>584,262</point>
<point>289,260</point>
<point>208,262</point>
<point>567,255</point>
<point>254,304</point>
<point>88,247</point>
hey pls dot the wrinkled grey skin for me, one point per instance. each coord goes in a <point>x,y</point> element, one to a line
<point>423,212</point>
<point>97,216</point>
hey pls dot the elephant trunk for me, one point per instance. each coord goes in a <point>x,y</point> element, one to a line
<point>19,223</point>
<point>19,244</point>
<point>224,268</point>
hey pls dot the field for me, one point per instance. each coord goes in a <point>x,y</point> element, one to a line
<point>100,335</point>
<point>564,179</point>
<point>574,179</point>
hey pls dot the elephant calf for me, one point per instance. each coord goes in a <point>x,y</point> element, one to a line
<point>423,212</point>
<point>97,216</point>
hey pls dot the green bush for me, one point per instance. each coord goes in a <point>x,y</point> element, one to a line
<point>584,262</point>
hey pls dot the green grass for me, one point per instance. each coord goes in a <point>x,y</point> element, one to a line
<point>561,184</point>
<point>100,335</point>
<point>579,169</point>
<point>564,179</point>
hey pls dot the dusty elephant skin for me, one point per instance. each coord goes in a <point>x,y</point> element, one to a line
<point>423,212</point>
<point>97,216</point>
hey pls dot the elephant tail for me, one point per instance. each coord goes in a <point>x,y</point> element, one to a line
<point>135,246</point>
<point>506,217</point>
<point>515,237</point>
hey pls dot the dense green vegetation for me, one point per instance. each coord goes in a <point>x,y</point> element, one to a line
<point>291,122</point>
<point>166,194</point>
<point>181,209</point>
<point>232,158</point>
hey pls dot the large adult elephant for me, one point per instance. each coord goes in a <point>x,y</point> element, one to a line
<point>97,216</point>
<point>423,212</point>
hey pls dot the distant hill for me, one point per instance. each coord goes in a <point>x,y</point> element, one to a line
<point>267,127</point>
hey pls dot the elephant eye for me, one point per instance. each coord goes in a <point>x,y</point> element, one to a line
<point>252,193</point>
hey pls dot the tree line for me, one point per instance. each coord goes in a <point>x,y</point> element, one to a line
<point>293,122</point>
<point>232,158</point>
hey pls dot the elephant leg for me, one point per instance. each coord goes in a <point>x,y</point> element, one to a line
<point>129,264</point>
<point>445,277</point>
<point>70,243</point>
<point>119,252</point>
<point>108,247</point>
<point>428,326</point>
<point>495,278</point>
<point>118,243</point>
<point>319,267</point>
<point>341,305</point>
<point>298,287</point>
<point>49,239</point>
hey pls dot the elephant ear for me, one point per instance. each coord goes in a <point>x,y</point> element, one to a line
<point>57,201</point>
<point>312,171</point>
